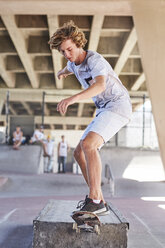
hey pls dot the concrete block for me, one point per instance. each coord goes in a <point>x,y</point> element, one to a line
<point>53,229</point>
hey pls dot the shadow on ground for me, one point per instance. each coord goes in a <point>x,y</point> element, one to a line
<point>18,237</point>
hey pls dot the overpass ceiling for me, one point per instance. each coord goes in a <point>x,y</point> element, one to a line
<point>29,67</point>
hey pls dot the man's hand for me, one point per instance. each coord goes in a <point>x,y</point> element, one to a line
<point>63,73</point>
<point>63,105</point>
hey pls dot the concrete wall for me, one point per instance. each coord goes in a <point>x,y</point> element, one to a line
<point>26,160</point>
<point>135,164</point>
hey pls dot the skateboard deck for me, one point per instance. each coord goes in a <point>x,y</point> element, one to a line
<point>86,221</point>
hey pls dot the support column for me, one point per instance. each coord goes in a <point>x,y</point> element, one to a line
<point>149,19</point>
<point>1,104</point>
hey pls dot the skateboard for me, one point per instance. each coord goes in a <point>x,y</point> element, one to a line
<point>86,221</point>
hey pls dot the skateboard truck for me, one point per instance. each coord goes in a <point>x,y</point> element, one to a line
<point>86,221</point>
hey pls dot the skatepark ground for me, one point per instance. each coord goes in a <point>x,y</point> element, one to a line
<point>23,195</point>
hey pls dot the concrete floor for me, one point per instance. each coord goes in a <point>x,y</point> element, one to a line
<point>23,196</point>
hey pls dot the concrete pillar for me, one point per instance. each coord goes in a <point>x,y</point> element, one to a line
<point>149,19</point>
<point>1,105</point>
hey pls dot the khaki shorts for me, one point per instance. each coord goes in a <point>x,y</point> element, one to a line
<point>106,124</point>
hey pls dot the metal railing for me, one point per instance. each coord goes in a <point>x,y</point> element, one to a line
<point>110,178</point>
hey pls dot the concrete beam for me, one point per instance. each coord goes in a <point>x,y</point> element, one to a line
<point>20,45</point>
<point>140,80</point>
<point>32,95</point>
<point>97,23</point>
<point>81,7</point>
<point>79,112</point>
<point>129,45</point>
<point>64,120</point>
<point>50,92</point>
<point>47,112</point>
<point>57,119</point>
<point>53,24</point>
<point>28,109</point>
<point>12,110</point>
<point>152,50</point>
<point>80,109</point>
<point>9,78</point>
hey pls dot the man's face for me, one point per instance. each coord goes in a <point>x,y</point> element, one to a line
<point>18,129</point>
<point>70,51</point>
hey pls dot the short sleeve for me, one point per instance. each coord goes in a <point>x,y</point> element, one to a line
<point>97,66</point>
<point>69,66</point>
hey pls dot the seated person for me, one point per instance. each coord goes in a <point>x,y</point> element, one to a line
<point>17,137</point>
<point>38,136</point>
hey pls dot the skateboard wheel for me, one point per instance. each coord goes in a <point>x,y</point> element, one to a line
<point>74,226</point>
<point>77,230</point>
<point>97,229</point>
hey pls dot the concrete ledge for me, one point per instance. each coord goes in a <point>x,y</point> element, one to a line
<point>53,229</point>
<point>27,160</point>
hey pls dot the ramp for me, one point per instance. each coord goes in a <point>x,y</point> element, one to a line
<point>28,159</point>
<point>53,229</point>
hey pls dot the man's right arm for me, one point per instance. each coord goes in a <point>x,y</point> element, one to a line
<point>63,73</point>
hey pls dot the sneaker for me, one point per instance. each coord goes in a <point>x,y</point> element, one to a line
<point>107,211</point>
<point>81,204</point>
<point>90,206</point>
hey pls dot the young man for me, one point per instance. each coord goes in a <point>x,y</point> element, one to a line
<point>17,138</point>
<point>62,154</point>
<point>38,136</point>
<point>110,97</point>
<point>48,149</point>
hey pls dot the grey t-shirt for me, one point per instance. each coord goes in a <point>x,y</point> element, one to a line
<point>115,97</point>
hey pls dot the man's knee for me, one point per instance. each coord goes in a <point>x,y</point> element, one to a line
<point>77,152</point>
<point>87,145</point>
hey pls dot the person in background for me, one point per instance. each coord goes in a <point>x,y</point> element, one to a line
<point>48,148</point>
<point>63,149</point>
<point>17,137</point>
<point>38,136</point>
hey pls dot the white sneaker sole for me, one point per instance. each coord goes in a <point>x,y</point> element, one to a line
<point>104,213</point>
<point>99,211</point>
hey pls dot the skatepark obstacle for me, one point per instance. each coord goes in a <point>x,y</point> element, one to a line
<point>53,228</point>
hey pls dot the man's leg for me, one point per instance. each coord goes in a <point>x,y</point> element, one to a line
<point>81,160</point>
<point>59,164</point>
<point>16,145</point>
<point>49,163</point>
<point>90,147</point>
<point>63,164</point>
<point>44,146</point>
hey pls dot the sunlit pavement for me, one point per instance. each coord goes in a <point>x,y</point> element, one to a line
<point>24,196</point>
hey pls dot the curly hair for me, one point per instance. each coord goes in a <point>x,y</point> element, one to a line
<point>68,31</point>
